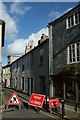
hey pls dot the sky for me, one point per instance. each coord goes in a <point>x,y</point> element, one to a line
<point>26,21</point>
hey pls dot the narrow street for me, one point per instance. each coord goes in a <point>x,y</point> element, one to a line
<point>24,112</point>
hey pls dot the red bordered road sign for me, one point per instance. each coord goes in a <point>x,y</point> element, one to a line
<point>14,100</point>
<point>54,103</point>
<point>36,100</point>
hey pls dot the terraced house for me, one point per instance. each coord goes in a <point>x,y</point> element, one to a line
<point>53,67</point>
<point>64,55</point>
<point>6,70</point>
<point>29,73</point>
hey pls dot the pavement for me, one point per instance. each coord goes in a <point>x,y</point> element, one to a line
<point>69,113</point>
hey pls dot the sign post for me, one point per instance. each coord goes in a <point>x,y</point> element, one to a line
<point>63,110</point>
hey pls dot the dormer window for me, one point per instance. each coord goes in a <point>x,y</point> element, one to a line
<point>73,19</point>
<point>76,18</point>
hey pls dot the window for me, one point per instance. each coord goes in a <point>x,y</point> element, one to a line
<point>73,19</point>
<point>22,83</point>
<point>70,90</point>
<point>31,59</point>
<point>17,64</point>
<point>22,67</point>
<point>78,51</point>
<point>74,53</point>
<point>28,86</point>
<point>42,85</point>
<point>76,18</point>
<point>31,85</point>
<point>16,79</point>
<point>68,21</point>
<point>41,56</point>
<point>28,60</point>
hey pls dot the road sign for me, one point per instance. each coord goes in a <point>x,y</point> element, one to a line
<point>54,103</point>
<point>36,100</point>
<point>14,100</point>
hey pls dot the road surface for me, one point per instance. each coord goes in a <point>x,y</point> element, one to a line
<point>24,112</point>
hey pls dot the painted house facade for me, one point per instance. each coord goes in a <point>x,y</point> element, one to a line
<point>64,55</point>
<point>6,75</point>
<point>29,73</point>
<point>6,71</point>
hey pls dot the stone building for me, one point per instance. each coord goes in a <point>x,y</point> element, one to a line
<point>6,75</point>
<point>29,73</point>
<point>64,55</point>
<point>6,71</point>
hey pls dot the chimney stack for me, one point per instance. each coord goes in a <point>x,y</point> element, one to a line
<point>43,38</point>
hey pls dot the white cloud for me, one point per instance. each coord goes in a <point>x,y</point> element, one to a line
<point>11,27</point>
<point>54,14</point>
<point>18,46</point>
<point>19,8</point>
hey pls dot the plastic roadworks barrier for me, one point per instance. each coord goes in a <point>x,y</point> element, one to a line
<point>54,103</point>
<point>14,101</point>
<point>36,100</point>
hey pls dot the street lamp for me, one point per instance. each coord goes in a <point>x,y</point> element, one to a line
<point>2,31</point>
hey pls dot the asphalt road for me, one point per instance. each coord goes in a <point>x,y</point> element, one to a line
<point>31,113</point>
<point>25,112</point>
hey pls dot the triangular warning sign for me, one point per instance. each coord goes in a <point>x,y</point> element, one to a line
<point>14,100</point>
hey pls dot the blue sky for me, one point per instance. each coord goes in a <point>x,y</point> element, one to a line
<point>27,21</point>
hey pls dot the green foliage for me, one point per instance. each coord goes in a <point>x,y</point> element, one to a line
<point>75,68</point>
<point>68,67</point>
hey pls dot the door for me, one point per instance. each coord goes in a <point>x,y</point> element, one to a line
<point>31,85</point>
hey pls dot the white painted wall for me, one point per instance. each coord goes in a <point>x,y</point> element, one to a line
<point>0,51</point>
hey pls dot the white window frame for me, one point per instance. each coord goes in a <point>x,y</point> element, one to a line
<point>68,54</point>
<point>74,20</point>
